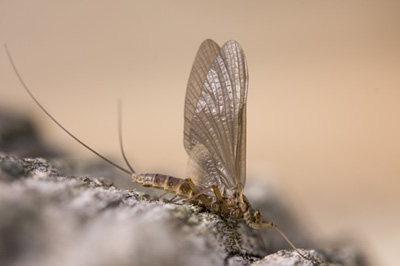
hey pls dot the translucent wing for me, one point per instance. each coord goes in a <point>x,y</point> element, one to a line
<point>215,116</point>
<point>206,55</point>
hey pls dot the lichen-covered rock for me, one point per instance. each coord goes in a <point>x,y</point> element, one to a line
<point>49,218</point>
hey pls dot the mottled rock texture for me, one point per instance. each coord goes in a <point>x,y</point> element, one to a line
<point>51,218</point>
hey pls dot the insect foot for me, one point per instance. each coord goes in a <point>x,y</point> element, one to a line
<point>282,256</point>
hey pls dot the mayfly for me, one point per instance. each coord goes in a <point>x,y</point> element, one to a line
<point>214,137</point>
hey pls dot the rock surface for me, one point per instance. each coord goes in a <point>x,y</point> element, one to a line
<point>49,218</point>
<point>18,135</point>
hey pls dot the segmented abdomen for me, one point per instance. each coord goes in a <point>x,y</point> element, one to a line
<point>172,184</point>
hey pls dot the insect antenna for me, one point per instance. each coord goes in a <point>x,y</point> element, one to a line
<point>121,144</point>
<point>55,121</point>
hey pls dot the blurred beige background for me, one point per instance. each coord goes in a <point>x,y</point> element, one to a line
<point>323,105</point>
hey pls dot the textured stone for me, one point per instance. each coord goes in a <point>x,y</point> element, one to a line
<point>50,218</point>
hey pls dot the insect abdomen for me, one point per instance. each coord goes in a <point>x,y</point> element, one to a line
<point>172,184</point>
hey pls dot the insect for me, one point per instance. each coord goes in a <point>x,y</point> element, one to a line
<point>214,137</point>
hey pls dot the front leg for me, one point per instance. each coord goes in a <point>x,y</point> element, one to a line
<point>220,202</point>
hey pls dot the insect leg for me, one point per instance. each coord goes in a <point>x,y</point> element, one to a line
<point>173,199</point>
<point>200,193</point>
<point>220,199</point>
<point>290,243</point>
<point>262,240</point>
<point>196,191</point>
<point>172,188</point>
<point>267,225</point>
<point>192,186</point>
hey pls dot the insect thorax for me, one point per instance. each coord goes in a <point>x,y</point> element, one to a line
<point>238,206</point>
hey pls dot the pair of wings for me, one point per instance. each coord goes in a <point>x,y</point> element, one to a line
<point>215,117</point>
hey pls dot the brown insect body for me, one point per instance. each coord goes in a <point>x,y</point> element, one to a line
<point>229,206</point>
<point>214,137</point>
<point>168,183</point>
